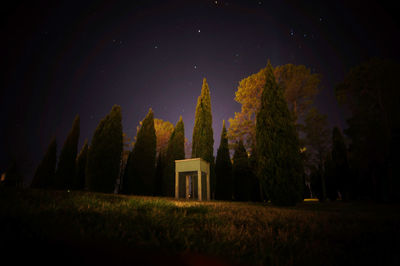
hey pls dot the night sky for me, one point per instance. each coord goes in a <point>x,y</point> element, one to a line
<point>63,59</point>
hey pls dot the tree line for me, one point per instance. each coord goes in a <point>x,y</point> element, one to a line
<point>278,148</point>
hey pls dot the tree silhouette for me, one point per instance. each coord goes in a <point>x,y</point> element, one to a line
<point>140,169</point>
<point>104,155</point>
<point>65,173</point>
<point>175,151</point>
<point>223,169</point>
<point>45,172</point>
<point>80,176</point>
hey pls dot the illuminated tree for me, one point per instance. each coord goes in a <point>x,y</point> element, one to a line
<point>163,130</point>
<point>140,169</point>
<point>223,169</point>
<point>203,139</point>
<point>163,133</point>
<point>45,172</point>
<point>175,151</point>
<point>299,85</point>
<point>279,162</point>
<point>104,155</point>
<point>65,173</point>
<point>80,176</point>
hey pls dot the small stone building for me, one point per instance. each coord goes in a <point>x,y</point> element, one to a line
<point>192,179</point>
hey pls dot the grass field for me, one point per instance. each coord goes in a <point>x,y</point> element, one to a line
<point>92,228</point>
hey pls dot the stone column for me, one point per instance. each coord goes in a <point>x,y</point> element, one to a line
<point>199,184</point>
<point>187,187</point>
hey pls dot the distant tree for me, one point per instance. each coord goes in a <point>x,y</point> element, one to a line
<point>331,181</point>
<point>317,141</point>
<point>341,165</point>
<point>65,173</point>
<point>140,170</point>
<point>175,151</point>
<point>203,139</point>
<point>163,130</point>
<point>188,148</point>
<point>127,146</point>
<point>280,168</point>
<point>242,174</point>
<point>45,172</point>
<point>299,85</point>
<point>223,169</point>
<point>370,91</point>
<point>316,176</point>
<point>104,155</point>
<point>81,159</point>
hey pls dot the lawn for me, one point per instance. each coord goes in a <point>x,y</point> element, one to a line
<point>59,227</point>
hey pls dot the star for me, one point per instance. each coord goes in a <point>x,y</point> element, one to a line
<point>195,67</point>
<point>216,2</point>
<point>198,30</point>
<point>155,47</point>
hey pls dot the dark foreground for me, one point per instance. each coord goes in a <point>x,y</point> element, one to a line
<point>54,227</point>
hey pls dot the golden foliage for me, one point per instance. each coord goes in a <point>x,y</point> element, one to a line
<point>299,84</point>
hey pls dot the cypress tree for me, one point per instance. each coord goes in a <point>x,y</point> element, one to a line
<point>104,155</point>
<point>223,169</point>
<point>140,170</point>
<point>44,175</point>
<point>175,151</point>
<point>159,173</point>
<point>80,177</point>
<point>242,175</point>
<point>277,143</point>
<point>65,173</point>
<point>203,140</point>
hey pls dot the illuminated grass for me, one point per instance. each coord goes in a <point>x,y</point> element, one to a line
<point>308,234</point>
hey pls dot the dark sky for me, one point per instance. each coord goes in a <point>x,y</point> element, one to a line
<point>63,59</point>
